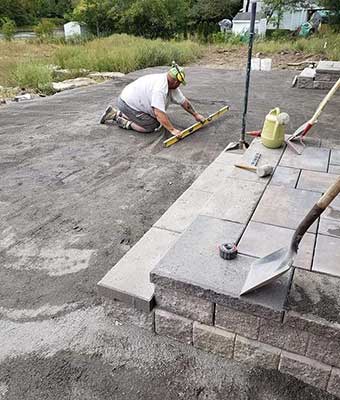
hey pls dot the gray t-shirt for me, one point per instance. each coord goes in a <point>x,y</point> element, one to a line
<point>151,91</point>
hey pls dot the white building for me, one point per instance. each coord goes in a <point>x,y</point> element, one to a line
<point>241,24</point>
<point>290,20</point>
<point>74,28</point>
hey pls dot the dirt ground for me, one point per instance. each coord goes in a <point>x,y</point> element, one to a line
<point>74,198</point>
<point>236,59</point>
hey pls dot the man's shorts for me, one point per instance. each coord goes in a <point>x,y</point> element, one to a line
<point>142,119</point>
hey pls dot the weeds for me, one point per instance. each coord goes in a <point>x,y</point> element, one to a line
<point>34,76</point>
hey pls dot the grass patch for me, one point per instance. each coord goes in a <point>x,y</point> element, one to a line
<point>33,76</point>
<point>25,63</point>
<point>125,54</point>
<point>327,45</point>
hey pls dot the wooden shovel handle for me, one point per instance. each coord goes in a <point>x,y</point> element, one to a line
<point>324,102</point>
<point>247,167</point>
<point>315,213</point>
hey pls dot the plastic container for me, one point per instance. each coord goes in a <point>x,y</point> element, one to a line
<point>273,132</point>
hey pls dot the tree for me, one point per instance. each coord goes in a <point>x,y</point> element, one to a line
<point>96,14</point>
<point>334,7</point>
<point>8,28</point>
<point>44,29</point>
<point>277,8</point>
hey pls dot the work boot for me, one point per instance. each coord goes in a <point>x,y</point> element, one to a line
<point>109,114</point>
<point>123,123</point>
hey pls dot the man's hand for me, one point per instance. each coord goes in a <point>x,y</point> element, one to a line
<point>176,132</point>
<point>198,117</point>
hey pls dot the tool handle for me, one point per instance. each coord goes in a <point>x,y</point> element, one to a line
<point>247,167</point>
<point>315,213</point>
<point>324,102</point>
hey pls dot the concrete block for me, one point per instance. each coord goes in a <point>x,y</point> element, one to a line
<point>328,67</point>
<point>334,382</point>
<point>181,214</point>
<point>173,326</point>
<point>283,336</point>
<point>194,265</point>
<point>235,321</point>
<point>313,304</point>
<point>213,178</point>
<point>323,85</point>
<point>303,83</point>
<point>305,369</point>
<point>324,350</point>
<point>335,157</point>
<point>312,158</point>
<point>125,314</point>
<point>178,302</point>
<point>213,340</point>
<point>315,181</point>
<point>256,353</point>
<point>327,255</point>
<point>308,73</point>
<point>285,208</point>
<point>234,202</point>
<point>284,176</point>
<point>259,240</point>
<point>128,280</point>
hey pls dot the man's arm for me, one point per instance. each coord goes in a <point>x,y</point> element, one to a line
<point>188,107</point>
<point>163,119</point>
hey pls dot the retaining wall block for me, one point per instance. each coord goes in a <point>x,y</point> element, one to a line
<point>305,369</point>
<point>283,336</point>
<point>255,353</point>
<point>191,307</point>
<point>334,382</point>
<point>324,350</point>
<point>236,321</point>
<point>213,340</point>
<point>174,326</point>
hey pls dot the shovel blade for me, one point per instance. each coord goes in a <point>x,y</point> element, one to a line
<point>267,269</point>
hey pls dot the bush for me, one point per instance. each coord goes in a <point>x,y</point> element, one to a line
<point>8,28</point>
<point>44,29</point>
<point>34,76</point>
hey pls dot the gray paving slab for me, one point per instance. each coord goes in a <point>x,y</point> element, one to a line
<point>286,207</point>
<point>260,240</point>
<point>312,158</point>
<point>235,201</point>
<point>128,280</point>
<point>228,158</point>
<point>330,219</point>
<point>285,176</point>
<point>181,214</point>
<point>327,255</point>
<point>335,157</point>
<point>334,169</point>
<point>194,265</point>
<point>328,67</point>
<point>213,178</point>
<point>315,181</point>
<point>314,303</point>
<point>268,156</point>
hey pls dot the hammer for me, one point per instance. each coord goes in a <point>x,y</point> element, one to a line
<point>262,171</point>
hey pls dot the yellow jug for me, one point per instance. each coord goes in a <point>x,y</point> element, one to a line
<point>273,131</point>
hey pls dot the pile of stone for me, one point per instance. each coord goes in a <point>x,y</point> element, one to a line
<point>323,77</point>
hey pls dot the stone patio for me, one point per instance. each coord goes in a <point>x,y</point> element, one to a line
<point>292,324</point>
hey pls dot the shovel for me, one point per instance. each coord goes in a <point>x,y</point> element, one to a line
<point>302,131</point>
<point>272,266</point>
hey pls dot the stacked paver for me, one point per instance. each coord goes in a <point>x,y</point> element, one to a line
<point>323,77</point>
<point>293,324</point>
